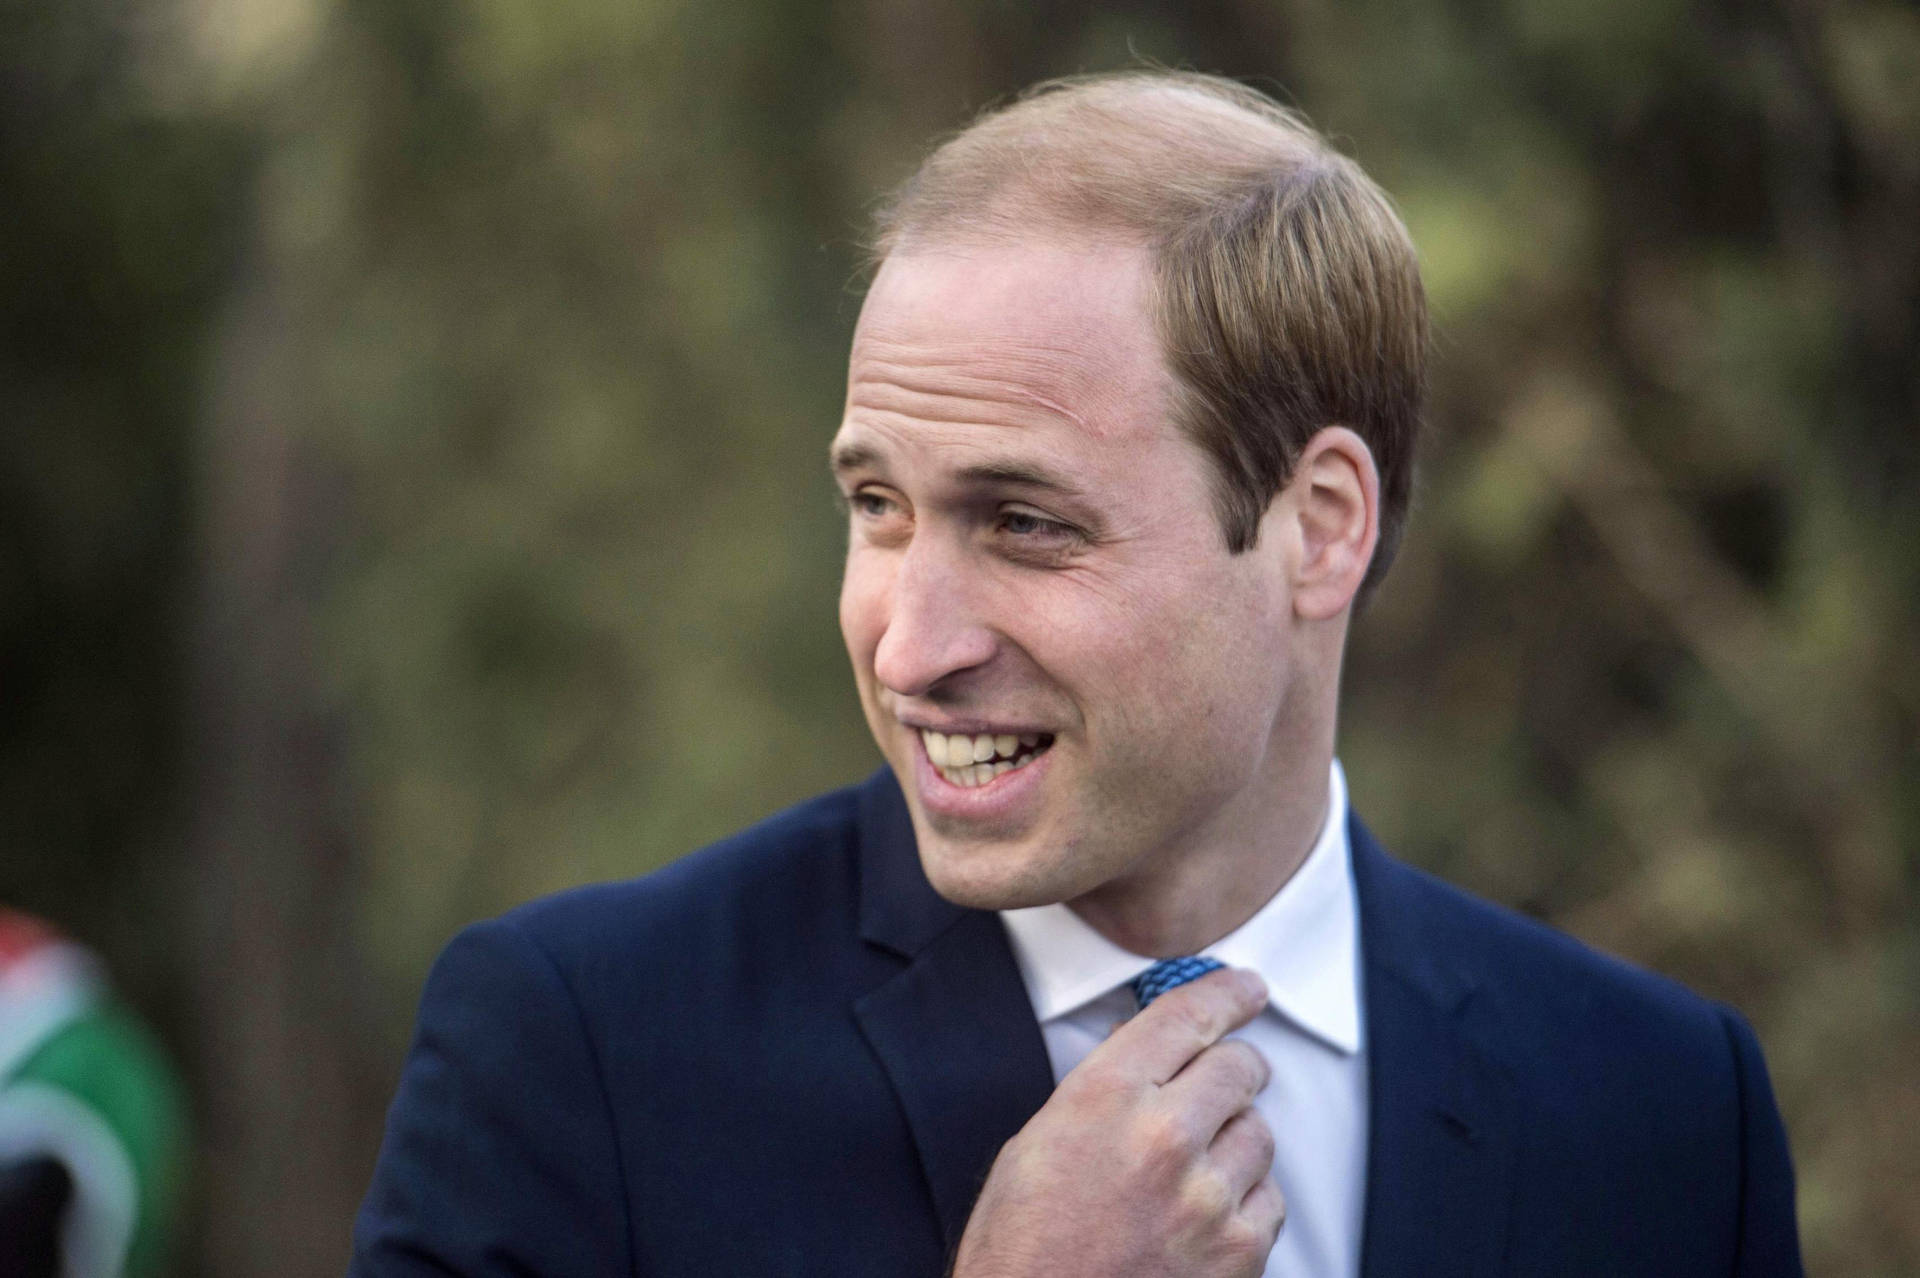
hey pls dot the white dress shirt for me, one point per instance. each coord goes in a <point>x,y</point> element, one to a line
<point>1305,943</point>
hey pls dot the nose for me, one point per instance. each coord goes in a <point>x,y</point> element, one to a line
<point>933,625</point>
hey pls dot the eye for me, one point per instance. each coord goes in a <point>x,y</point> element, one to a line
<point>871,504</point>
<point>878,517</point>
<point>1034,529</point>
<point>1022,524</point>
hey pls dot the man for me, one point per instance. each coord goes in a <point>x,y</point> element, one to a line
<point>1129,426</point>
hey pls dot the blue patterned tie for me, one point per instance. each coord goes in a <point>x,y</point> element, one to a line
<point>1167,973</point>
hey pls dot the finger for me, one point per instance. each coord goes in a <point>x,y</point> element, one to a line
<point>1215,1085</point>
<point>1180,1024</point>
<point>1242,1154</point>
<point>1265,1208</point>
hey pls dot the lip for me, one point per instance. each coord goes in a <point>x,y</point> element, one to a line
<point>1007,795</point>
<point>974,728</point>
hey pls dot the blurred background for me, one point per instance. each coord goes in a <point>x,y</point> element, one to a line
<point>413,496</point>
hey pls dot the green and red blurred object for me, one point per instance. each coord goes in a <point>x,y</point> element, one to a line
<point>92,1133</point>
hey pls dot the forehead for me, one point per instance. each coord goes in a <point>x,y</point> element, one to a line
<point>1040,334</point>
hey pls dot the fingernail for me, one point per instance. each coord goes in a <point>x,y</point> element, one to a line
<point>1251,982</point>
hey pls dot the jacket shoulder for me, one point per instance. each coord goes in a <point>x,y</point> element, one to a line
<point>1553,991</point>
<point>1646,1128</point>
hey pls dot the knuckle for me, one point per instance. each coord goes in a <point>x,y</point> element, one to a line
<point>1244,1242</point>
<point>1206,1198</point>
<point>1191,1015</point>
<point>1251,1067</point>
<point>1096,1088</point>
<point>1163,1136</point>
<point>1266,1207</point>
<point>1233,1068</point>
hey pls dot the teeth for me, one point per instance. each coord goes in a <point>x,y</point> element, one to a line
<point>975,774</point>
<point>972,760</point>
<point>970,776</point>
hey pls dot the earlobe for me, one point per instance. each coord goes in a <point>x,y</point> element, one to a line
<point>1336,492</point>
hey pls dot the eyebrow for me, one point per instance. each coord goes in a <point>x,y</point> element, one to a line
<point>846,457</point>
<point>1024,474</point>
<point>1007,471</point>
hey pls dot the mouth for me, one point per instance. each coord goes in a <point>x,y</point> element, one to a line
<point>972,760</point>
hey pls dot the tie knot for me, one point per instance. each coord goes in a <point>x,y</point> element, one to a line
<point>1167,973</point>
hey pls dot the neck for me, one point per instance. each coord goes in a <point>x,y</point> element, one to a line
<point>1191,897</point>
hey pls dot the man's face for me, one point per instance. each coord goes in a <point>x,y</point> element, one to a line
<point>1035,576</point>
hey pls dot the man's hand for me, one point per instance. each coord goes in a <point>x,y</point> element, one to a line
<point>1148,1159</point>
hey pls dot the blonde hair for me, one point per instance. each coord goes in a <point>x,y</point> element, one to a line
<point>1287,292</point>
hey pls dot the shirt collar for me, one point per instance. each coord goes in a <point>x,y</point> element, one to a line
<point>1303,942</point>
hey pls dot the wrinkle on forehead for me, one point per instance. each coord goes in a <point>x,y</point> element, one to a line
<point>929,383</point>
<point>1037,357</point>
<point>955,381</point>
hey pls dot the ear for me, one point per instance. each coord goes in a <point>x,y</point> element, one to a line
<point>1333,500</point>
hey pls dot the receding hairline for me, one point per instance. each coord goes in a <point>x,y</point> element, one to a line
<point>1135,155</point>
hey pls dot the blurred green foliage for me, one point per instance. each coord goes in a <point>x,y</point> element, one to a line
<point>414,496</point>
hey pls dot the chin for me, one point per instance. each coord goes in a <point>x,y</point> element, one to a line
<point>990,875</point>
<point>975,876</point>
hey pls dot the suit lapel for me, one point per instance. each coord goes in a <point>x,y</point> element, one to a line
<point>1440,1152</point>
<point>953,1028</point>
<point>954,1031</point>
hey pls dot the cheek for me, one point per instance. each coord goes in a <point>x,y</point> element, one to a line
<point>1192,666</point>
<point>1117,656</point>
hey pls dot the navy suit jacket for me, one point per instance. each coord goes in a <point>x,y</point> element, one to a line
<point>787,1054</point>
